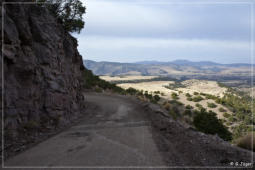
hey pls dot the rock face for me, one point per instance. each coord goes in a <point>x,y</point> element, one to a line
<point>42,71</point>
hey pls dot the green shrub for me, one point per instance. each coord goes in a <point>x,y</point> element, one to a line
<point>189,107</point>
<point>148,96</point>
<point>131,91</point>
<point>197,98</point>
<point>207,122</point>
<point>140,93</point>
<point>174,96</point>
<point>229,123</point>
<point>94,82</point>
<point>209,96</point>
<point>68,13</point>
<point>189,98</point>
<point>226,115</point>
<point>174,112</point>
<point>157,92</point>
<point>188,95</point>
<point>248,120</point>
<point>221,109</point>
<point>241,130</point>
<point>231,118</point>
<point>175,85</point>
<point>195,93</point>
<point>176,102</point>
<point>211,105</point>
<point>156,98</point>
<point>198,105</point>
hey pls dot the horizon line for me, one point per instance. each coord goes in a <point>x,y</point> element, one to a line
<point>137,62</point>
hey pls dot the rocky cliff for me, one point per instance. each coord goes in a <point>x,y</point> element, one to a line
<point>42,71</point>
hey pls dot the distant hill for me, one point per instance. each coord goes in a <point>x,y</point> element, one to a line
<point>177,67</point>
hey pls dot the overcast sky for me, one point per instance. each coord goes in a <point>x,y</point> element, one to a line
<point>138,30</point>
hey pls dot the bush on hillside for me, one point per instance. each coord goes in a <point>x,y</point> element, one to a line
<point>211,105</point>
<point>207,122</point>
<point>198,105</point>
<point>226,115</point>
<point>176,102</point>
<point>189,107</point>
<point>174,112</point>
<point>188,95</point>
<point>197,98</point>
<point>157,92</point>
<point>209,96</point>
<point>195,93</point>
<point>189,98</point>
<point>221,109</point>
<point>231,118</point>
<point>156,98</point>
<point>131,91</point>
<point>92,81</point>
<point>240,130</point>
<point>174,96</point>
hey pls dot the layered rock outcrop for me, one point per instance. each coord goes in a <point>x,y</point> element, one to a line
<point>42,71</point>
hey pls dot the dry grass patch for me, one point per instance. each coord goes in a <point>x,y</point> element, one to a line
<point>126,78</point>
<point>247,142</point>
<point>203,86</point>
<point>151,87</point>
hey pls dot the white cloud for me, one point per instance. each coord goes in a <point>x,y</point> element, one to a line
<point>136,49</point>
<point>122,18</point>
<point>117,30</point>
<point>113,43</point>
<point>114,18</point>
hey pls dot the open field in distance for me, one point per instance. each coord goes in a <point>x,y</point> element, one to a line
<point>200,86</point>
<point>126,78</point>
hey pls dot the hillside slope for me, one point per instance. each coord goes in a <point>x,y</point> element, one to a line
<point>178,67</point>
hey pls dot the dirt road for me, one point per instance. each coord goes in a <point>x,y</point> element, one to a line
<point>117,134</point>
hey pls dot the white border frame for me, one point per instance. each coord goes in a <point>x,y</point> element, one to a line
<point>138,167</point>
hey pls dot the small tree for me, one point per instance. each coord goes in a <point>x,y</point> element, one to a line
<point>156,98</point>
<point>68,12</point>
<point>174,96</point>
<point>211,105</point>
<point>131,91</point>
<point>188,95</point>
<point>197,98</point>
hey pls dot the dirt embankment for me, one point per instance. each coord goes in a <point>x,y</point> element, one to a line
<point>184,146</point>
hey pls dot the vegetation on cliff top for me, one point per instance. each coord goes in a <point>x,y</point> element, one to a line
<point>69,13</point>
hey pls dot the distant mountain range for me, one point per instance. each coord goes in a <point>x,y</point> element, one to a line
<point>191,63</point>
<point>177,67</point>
